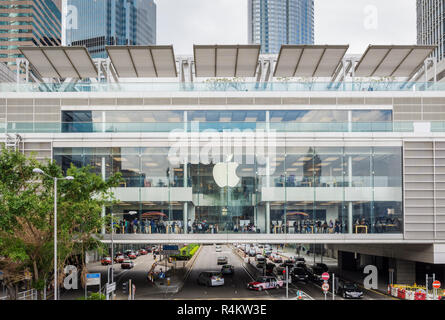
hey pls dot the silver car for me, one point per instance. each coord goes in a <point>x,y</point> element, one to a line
<point>222,260</point>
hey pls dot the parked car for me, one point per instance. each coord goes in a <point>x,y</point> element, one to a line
<point>143,252</point>
<point>105,261</point>
<point>299,274</point>
<point>252,252</point>
<point>211,278</point>
<point>348,290</point>
<point>265,283</point>
<point>132,255</point>
<point>120,259</point>
<point>149,249</point>
<point>222,260</point>
<point>227,269</point>
<point>127,264</point>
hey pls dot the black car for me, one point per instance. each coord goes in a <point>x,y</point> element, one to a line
<point>315,273</point>
<point>227,269</point>
<point>299,274</point>
<point>349,290</point>
<point>322,266</point>
<point>300,259</point>
<point>282,267</point>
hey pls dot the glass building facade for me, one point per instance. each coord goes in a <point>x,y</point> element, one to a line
<point>96,24</point>
<point>305,188</point>
<point>28,23</point>
<point>276,22</point>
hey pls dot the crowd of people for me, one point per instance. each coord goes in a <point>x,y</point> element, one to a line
<point>360,225</point>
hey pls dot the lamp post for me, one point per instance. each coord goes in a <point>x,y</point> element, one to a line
<point>40,171</point>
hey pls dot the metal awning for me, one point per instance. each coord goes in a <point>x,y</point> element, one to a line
<point>61,62</point>
<point>309,60</point>
<point>143,61</point>
<point>392,61</point>
<point>226,60</point>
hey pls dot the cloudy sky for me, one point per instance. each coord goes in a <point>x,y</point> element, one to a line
<point>355,22</point>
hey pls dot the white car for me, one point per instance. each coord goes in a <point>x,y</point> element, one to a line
<point>218,249</point>
<point>211,278</point>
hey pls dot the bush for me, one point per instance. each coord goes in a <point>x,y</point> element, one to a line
<point>94,296</point>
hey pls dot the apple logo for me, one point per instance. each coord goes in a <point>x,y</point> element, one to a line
<point>224,173</point>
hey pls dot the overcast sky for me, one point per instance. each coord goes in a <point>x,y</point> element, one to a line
<point>354,22</point>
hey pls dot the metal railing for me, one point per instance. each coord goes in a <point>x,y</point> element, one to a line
<point>278,86</point>
<point>134,127</point>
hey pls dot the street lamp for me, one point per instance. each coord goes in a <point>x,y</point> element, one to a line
<point>40,171</point>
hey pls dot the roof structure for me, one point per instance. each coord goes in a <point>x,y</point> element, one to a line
<point>143,61</point>
<point>61,62</point>
<point>226,60</point>
<point>309,60</point>
<point>392,61</point>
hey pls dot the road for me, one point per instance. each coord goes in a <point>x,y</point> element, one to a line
<point>235,286</point>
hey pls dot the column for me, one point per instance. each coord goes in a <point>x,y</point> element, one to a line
<point>268,217</point>
<point>185,217</point>
<point>350,202</point>
<point>103,207</point>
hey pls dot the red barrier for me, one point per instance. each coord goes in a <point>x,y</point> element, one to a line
<point>420,296</point>
<point>401,293</point>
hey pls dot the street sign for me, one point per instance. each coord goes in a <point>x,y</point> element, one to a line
<point>93,279</point>
<point>325,276</point>
<point>111,287</point>
<point>325,287</point>
<point>170,247</point>
<point>436,284</point>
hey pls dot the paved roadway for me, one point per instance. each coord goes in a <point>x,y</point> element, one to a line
<point>235,286</point>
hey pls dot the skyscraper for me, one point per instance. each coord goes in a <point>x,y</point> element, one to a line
<point>276,22</point>
<point>27,23</point>
<point>96,24</point>
<point>430,25</point>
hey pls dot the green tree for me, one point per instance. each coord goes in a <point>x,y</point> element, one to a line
<point>26,217</point>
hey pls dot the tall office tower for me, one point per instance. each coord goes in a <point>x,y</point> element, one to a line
<point>96,24</point>
<point>430,25</point>
<point>276,22</point>
<point>27,23</point>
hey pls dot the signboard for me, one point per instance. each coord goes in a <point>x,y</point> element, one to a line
<point>436,284</point>
<point>325,276</point>
<point>325,287</point>
<point>93,279</point>
<point>169,247</point>
<point>111,287</point>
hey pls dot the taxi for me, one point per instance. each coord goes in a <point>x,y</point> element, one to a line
<point>265,283</point>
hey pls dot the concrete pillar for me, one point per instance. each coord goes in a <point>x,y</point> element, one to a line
<point>350,217</point>
<point>261,218</point>
<point>185,217</point>
<point>405,272</point>
<point>267,217</point>
<point>103,207</point>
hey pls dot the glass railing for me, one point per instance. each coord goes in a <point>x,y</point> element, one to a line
<point>223,86</point>
<point>116,127</point>
<point>437,126</point>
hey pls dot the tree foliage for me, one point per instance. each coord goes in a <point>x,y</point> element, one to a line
<point>27,215</point>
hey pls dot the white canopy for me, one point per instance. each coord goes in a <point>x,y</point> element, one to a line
<point>392,61</point>
<point>309,60</point>
<point>143,61</point>
<point>61,62</point>
<point>226,60</point>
